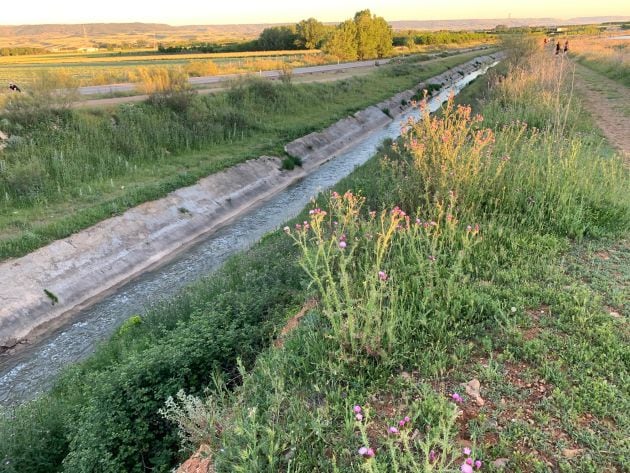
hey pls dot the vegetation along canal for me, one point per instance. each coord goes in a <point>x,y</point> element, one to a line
<point>33,370</point>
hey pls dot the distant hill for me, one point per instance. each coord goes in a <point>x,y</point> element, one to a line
<point>482,24</point>
<point>79,35</point>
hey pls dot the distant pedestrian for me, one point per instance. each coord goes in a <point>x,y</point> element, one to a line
<point>14,88</point>
<point>566,46</point>
<point>545,41</point>
<point>558,48</point>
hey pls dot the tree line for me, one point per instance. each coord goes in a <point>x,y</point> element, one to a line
<point>366,36</point>
<point>22,51</point>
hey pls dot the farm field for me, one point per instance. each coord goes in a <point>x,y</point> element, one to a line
<point>457,304</point>
<point>106,68</point>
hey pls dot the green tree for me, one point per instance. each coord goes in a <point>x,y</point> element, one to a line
<point>277,38</point>
<point>342,43</point>
<point>310,34</point>
<point>364,37</point>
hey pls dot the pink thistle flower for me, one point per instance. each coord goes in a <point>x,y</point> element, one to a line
<point>466,451</point>
<point>401,423</point>
<point>457,398</point>
<point>466,468</point>
<point>357,409</point>
<point>407,419</point>
<point>382,275</point>
<point>363,451</point>
<point>335,195</point>
<point>392,430</point>
<point>478,464</point>
<point>359,417</point>
<point>370,453</point>
<point>432,456</point>
<point>469,461</point>
<point>342,244</point>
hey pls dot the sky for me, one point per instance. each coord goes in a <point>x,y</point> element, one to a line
<point>182,12</point>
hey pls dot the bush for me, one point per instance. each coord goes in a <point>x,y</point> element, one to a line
<point>166,87</point>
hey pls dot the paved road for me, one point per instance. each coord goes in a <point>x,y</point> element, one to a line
<point>205,80</point>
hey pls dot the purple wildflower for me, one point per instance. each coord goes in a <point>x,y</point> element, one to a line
<point>392,430</point>
<point>342,244</point>
<point>466,451</point>
<point>457,398</point>
<point>466,468</point>
<point>478,464</point>
<point>357,409</point>
<point>382,275</point>
<point>359,417</point>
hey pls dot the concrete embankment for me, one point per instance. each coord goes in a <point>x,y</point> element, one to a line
<point>38,292</point>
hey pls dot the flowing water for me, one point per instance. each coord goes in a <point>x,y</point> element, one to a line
<point>33,370</point>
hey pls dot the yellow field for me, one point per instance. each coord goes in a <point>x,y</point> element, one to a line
<point>107,68</point>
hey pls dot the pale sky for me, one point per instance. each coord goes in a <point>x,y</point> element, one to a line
<point>179,12</point>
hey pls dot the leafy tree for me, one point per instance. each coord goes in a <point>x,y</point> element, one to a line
<point>310,34</point>
<point>277,38</point>
<point>364,37</point>
<point>342,43</point>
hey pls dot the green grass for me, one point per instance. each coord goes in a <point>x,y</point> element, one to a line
<point>99,163</point>
<point>453,303</point>
<point>537,318</point>
<point>614,70</point>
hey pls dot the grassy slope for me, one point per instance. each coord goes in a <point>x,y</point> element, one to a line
<point>551,355</point>
<point>84,200</point>
<point>294,409</point>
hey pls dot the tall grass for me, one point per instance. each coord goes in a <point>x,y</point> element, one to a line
<point>608,57</point>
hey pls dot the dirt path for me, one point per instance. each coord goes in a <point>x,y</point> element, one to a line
<point>609,102</point>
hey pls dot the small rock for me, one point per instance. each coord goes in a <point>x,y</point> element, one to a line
<point>571,452</point>
<point>472,389</point>
<point>615,314</point>
<point>500,463</point>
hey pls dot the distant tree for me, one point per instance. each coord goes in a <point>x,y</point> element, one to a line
<point>342,42</point>
<point>310,34</point>
<point>363,37</point>
<point>277,38</point>
<point>367,39</point>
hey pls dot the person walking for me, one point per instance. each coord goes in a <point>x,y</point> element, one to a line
<point>566,46</point>
<point>557,48</point>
